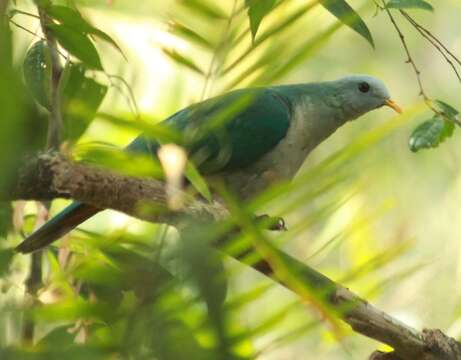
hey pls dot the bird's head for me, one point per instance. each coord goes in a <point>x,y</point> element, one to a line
<point>362,93</point>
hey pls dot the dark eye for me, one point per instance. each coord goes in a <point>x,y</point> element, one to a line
<point>364,87</point>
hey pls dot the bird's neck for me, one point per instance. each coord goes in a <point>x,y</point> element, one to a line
<point>317,118</point>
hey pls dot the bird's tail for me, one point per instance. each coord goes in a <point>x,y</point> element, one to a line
<point>61,224</point>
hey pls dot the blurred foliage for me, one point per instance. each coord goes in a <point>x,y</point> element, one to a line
<point>137,291</point>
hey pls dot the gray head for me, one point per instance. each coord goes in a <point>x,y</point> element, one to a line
<point>360,94</point>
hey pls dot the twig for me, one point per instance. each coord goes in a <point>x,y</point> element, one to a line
<point>14,12</point>
<point>438,45</point>
<point>51,175</point>
<point>26,29</point>
<point>410,60</point>
<point>422,28</point>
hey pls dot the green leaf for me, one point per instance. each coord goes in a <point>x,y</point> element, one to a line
<point>182,60</point>
<point>447,110</point>
<point>344,12</point>
<point>37,72</point>
<point>71,18</point>
<point>204,8</point>
<point>410,4</point>
<point>78,44</point>
<point>81,98</point>
<point>257,10</point>
<point>431,134</point>
<point>197,181</point>
<point>183,31</point>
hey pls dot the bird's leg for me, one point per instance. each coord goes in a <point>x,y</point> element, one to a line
<point>272,223</point>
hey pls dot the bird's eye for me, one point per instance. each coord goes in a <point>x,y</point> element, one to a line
<point>364,87</point>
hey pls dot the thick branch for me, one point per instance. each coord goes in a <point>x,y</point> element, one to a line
<point>51,175</point>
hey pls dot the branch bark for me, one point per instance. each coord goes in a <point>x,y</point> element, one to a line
<point>51,175</point>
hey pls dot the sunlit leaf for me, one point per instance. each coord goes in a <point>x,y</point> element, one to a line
<point>197,181</point>
<point>189,34</point>
<point>410,4</point>
<point>344,12</point>
<point>71,18</point>
<point>182,60</point>
<point>257,10</point>
<point>78,44</point>
<point>204,8</point>
<point>430,134</point>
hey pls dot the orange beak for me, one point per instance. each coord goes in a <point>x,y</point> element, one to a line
<point>393,105</point>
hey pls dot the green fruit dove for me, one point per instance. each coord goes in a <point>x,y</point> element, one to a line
<point>249,137</point>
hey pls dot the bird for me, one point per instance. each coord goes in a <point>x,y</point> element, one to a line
<point>250,137</point>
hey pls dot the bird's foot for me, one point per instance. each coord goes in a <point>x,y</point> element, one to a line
<point>272,223</point>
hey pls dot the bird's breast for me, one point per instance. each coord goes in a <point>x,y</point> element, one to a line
<point>281,163</point>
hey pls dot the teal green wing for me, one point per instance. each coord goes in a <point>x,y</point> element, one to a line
<point>229,132</point>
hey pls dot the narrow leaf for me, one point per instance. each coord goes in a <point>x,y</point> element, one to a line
<point>204,8</point>
<point>197,181</point>
<point>257,10</point>
<point>182,60</point>
<point>430,134</point>
<point>410,4</point>
<point>344,12</point>
<point>181,30</point>
<point>77,44</point>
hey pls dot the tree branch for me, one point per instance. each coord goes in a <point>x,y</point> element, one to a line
<point>51,175</point>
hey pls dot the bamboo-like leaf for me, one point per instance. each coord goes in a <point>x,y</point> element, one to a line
<point>182,60</point>
<point>204,8</point>
<point>197,181</point>
<point>409,4</point>
<point>257,10</point>
<point>344,12</point>
<point>185,32</point>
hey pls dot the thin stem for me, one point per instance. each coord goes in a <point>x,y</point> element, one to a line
<point>25,29</point>
<point>34,280</point>
<point>211,68</point>
<point>416,70</point>
<point>438,45</point>
<point>14,12</point>
<point>432,36</point>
